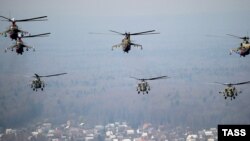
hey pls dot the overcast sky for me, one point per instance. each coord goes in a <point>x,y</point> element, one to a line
<point>126,7</point>
<point>181,47</point>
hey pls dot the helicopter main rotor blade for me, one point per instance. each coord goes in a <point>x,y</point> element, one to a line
<point>37,35</point>
<point>148,33</point>
<point>235,36</point>
<point>154,78</point>
<point>53,75</point>
<point>241,83</point>
<point>6,18</point>
<point>116,32</point>
<point>221,83</point>
<point>33,19</point>
<point>139,33</point>
<point>135,78</point>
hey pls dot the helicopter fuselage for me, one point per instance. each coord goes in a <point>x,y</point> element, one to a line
<point>14,32</point>
<point>244,49</point>
<point>126,44</point>
<point>230,91</point>
<point>37,84</point>
<point>143,87</point>
<point>19,46</point>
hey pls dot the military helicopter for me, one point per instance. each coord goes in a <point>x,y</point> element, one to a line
<point>20,44</point>
<point>230,90</point>
<point>143,86</point>
<point>38,83</point>
<point>13,29</point>
<point>127,43</point>
<point>244,48</point>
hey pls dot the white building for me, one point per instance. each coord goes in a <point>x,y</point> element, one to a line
<point>192,137</point>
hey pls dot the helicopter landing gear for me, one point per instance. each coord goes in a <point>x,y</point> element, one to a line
<point>42,89</point>
<point>33,89</point>
<point>27,49</point>
<point>147,92</point>
<point>225,97</point>
<point>138,92</point>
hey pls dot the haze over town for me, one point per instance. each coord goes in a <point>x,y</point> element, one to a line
<point>98,88</point>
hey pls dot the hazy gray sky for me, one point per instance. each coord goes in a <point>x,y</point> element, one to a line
<point>182,50</point>
<point>125,7</point>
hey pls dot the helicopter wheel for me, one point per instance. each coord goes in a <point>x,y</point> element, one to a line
<point>233,97</point>
<point>42,89</point>
<point>33,89</point>
<point>225,97</point>
<point>138,92</point>
<point>147,92</point>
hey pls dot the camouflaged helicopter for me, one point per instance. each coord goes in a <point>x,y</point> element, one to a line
<point>244,48</point>
<point>143,85</point>
<point>19,45</point>
<point>13,30</point>
<point>38,83</point>
<point>127,43</point>
<point>230,90</point>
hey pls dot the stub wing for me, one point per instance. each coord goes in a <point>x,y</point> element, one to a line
<point>29,47</point>
<point>136,45</point>
<point>116,46</point>
<point>10,48</point>
<point>4,33</point>
<point>242,51</point>
<point>235,50</point>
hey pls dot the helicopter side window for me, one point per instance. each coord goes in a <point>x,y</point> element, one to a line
<point>226,90</point>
